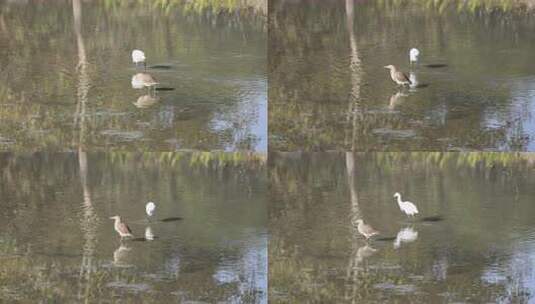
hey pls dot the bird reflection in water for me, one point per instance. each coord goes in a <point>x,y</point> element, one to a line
<point>149,235</point>
<point>358,256</point>
<point>364,252</point>
<point>120,255</point>
<point>396,100</point>
<point>405,235</point>
<point>146,101</point>
<point>414,81</point>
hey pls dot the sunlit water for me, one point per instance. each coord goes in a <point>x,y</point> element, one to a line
<point>472,242</point>
<point>57,243</point>
<point>67,70</point>
<point>329,89</point>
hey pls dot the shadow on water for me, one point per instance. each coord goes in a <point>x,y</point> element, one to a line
<point>421,85</point>
<point>171,219</point>
<point>436,65</point>
<point>433,218</point>
<point>386,239</point>
<point>161,67</point>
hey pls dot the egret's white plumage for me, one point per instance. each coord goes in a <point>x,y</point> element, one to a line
<point>150,208</point>
<point>407,207</point>
<point>138,56</point>
<point>413,55</point>
<point>405,235</point>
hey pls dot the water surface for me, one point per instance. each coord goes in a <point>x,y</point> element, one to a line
<point>57,243</point>
<point>67,70</point>
<point>329,88</point>
<point>473,241</point>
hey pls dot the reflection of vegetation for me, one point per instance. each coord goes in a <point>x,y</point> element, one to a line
<point>207,160</point>
<point>198,6</point>
<point>467,5</point>
<point>311,244</point>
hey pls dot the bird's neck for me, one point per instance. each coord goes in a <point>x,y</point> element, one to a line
<point>399,199</point>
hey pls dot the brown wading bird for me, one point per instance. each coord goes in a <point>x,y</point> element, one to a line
<point>397,76</point>
<point>366,230</point>
<point>141,80</point>
<point>122,228</point>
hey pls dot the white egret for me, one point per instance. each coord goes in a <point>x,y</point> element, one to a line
<point>398,76</point>
<point>407,207</point>
<point>405,235</point>
<point>150,207</point>
<point>413,55</point>
<point>121,227</point>
<point>366,230</point>
<point>138,56</point>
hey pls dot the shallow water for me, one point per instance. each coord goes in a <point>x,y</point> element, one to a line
<point>329,89</point>
<point>472,242</point>
<point>67,70</point>
<point>58,244</point>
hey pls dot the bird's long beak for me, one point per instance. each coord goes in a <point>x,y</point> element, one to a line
<point>112,218</point>
<point>386,67</point>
